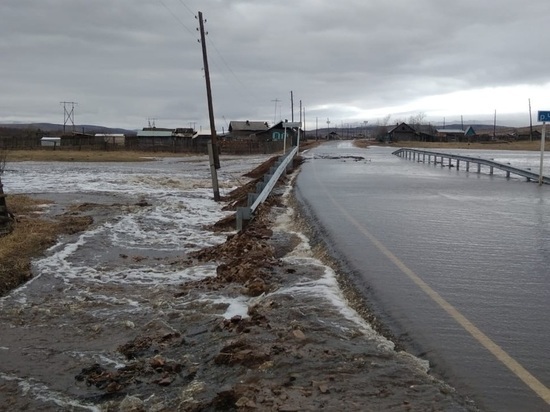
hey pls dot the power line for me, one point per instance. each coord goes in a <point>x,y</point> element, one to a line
<point>190,11</point>
<point>251,97</point>
<point>177,18</point>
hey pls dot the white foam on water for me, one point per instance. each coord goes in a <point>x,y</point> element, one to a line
<point>98,357</point>
<point>41,392</point>
<point>59,265</point>
<point>237,307</point>
<point>234,306</point>
<point>326,287</point>
<point>87,296</point>
<point>172,223</point>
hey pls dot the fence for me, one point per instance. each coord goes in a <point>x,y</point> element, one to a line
<point>146,144</point>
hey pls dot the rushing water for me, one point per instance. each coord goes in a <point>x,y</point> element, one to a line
<point>92,289</point>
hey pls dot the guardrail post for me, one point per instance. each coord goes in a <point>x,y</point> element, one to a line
<point>243,217</point>
<point>251,199</point>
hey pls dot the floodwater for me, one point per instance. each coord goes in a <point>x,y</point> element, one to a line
<point>99,289</point>
<point>92,289</point>
<point>412,233</point>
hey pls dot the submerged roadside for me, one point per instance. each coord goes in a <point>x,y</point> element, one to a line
<point>256,321</point>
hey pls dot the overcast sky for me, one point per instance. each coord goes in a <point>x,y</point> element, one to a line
<point>127,61</point>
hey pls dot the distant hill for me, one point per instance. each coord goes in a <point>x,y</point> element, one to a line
<point>50,128</point>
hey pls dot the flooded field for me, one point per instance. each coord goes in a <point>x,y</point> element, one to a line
<point>91,290</point>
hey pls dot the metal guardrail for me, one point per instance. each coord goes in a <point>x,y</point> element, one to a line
<point>263,189</point>
<point>530,176</point>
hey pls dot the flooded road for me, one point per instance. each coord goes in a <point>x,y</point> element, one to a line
<point>456,262</point>
<point>92,289</point>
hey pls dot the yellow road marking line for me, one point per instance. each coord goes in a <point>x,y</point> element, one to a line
<point>537,386</point>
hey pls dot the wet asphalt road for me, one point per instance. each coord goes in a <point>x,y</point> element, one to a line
<point>457,264</point>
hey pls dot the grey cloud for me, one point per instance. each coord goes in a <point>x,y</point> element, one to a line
<point>127,60</point>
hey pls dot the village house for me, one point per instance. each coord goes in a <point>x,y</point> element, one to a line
<point>157,139</point>
<point>450,135</point>
<point>402,131</point>
<point>276,133</point>
<point>244,130</point>
<point>526,135</point>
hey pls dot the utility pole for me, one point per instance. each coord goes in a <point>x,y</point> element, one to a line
<point>299,128</point>
<point>213,147</point>
<point>304,123</point>
<point>68,114</point>
<point>316,128</point>
<point>495,126</point>
<point>291,106</point>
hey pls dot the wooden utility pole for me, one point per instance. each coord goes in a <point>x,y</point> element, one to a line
<point>5,220</point>
<point>213,153</point>
<point>291,106</point>
<point>495,126</point>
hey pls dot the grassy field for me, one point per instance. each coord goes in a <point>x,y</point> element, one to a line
<point>524,145</point>
<point>31,235</point>
<point>84,156</point>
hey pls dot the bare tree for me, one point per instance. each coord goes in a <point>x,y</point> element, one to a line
<point>5,217</point>
<point>3,157</point>
<point>417,122</point>
<point>382,128</point>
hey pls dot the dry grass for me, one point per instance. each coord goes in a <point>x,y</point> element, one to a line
<point>31,236</point>
<point>530,146</point>
<point>84,156</point>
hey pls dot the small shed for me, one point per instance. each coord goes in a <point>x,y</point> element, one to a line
<point>450,135</point>
<point>50,142</point>
<point>154,133</point>
<point>115,139</point>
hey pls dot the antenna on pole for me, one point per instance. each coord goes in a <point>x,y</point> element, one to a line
<point>276,104</point>
<point>530,123</point>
